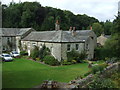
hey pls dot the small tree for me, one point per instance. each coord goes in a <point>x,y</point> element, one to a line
<point>43,52</point>
<point>35,52</point>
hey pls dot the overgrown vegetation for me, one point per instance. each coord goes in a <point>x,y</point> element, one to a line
<point>98,68</point>
<point>44,55</point>
<point>102,83</point>
<point>35,53</point>
<point>43,52</point>
<point>76,56</point>
<point>50,60</point>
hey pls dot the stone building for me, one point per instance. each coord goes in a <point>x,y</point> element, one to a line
<point>102,39</point>
<point>60,42</point>
<point>12,36</point>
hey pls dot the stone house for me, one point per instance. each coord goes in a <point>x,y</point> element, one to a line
<point>60,42</point>
<point>102,39</point>
<point>12,36</point>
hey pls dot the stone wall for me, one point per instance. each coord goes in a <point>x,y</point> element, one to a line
<point>58,50</point>
<point>82,83</point>
<point>72,46</point>
<point>5,42</point>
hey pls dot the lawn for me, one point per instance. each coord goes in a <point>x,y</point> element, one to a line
<point>23,73</point>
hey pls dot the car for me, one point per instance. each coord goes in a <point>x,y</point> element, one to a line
<point>14,54</point>
<point>6,57</point>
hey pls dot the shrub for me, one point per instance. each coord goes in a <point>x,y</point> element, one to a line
<point>102,83</point>
<point>65,62</point>
<point>86,74</point>
<point>35,52</point>
<point>112,60</point>
<point>74,62</point>
<point>37,59</point>
<point>50,60</point>
<point>22,53</point>
<point>98,68</point>
<point>43,52</point>
<point>74,55</point>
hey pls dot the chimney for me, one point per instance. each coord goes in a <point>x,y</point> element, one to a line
<point>70,29</point>
<point>73,31</point>
<point>57,26</point>
<point>90,27</point>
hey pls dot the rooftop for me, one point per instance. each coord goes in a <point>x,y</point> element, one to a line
<point>13,31</point>
<point>59,36</point>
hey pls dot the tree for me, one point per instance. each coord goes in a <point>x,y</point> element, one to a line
<point>108,27</point>
<point>97,28</point>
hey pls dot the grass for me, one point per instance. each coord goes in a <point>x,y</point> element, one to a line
<point>23,73</point>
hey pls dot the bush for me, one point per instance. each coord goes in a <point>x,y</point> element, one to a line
<point>74,55</point>
<point>74,62</point>
<point>22,53</point>
<point>43,52</point>
<point>50,60</point>
<point>35,53</point>
<point>37,59</point>
<point>112,60</point>
<point>102,83</point>
<point>86,74</point>
<point>98,68</point>
<point>65,62</point>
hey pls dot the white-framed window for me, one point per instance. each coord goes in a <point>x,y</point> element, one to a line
<point>77,46</point>
<point>34,44</point>
<point>68,47</point>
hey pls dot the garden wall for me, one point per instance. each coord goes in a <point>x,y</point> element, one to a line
<point>82,83</point>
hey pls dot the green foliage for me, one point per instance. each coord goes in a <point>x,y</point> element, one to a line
<point>86,74</point>
<point>74,61</point>
<point>37,59</point>
<point>113,45</point>
<point>74,55</point>
<point>108,26</point>
<point>97,28</point>
<point>22,53</point>
<point>97,68</point>
<point>43,52</point>
<point>35,52</point>
<point>32,14</point>
<point>65,62</point>
<point>102,83</point>
<point>112,60</point>
<point>50,60</point>
<point>102,53</point>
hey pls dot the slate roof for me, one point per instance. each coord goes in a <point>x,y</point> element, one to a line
<point>14,31</point>
<point>107,36</point>
<point>58,36</point>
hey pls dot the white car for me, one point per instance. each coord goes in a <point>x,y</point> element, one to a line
<point>6,57</point>
<point>14,54</point>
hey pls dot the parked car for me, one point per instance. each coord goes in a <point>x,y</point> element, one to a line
<point>14,54</point>
<point>6,57</point>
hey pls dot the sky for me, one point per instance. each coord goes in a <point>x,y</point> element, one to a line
<point>100,9</point>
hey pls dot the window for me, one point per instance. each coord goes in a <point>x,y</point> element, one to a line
<point>8,39</point>
<point>77,46</point>
<point>34,44</point>
<point>92,37</point>
<point>87,48</point>
<point>68,47</point>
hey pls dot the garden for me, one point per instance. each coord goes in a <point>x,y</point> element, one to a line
<point>24,73</point>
